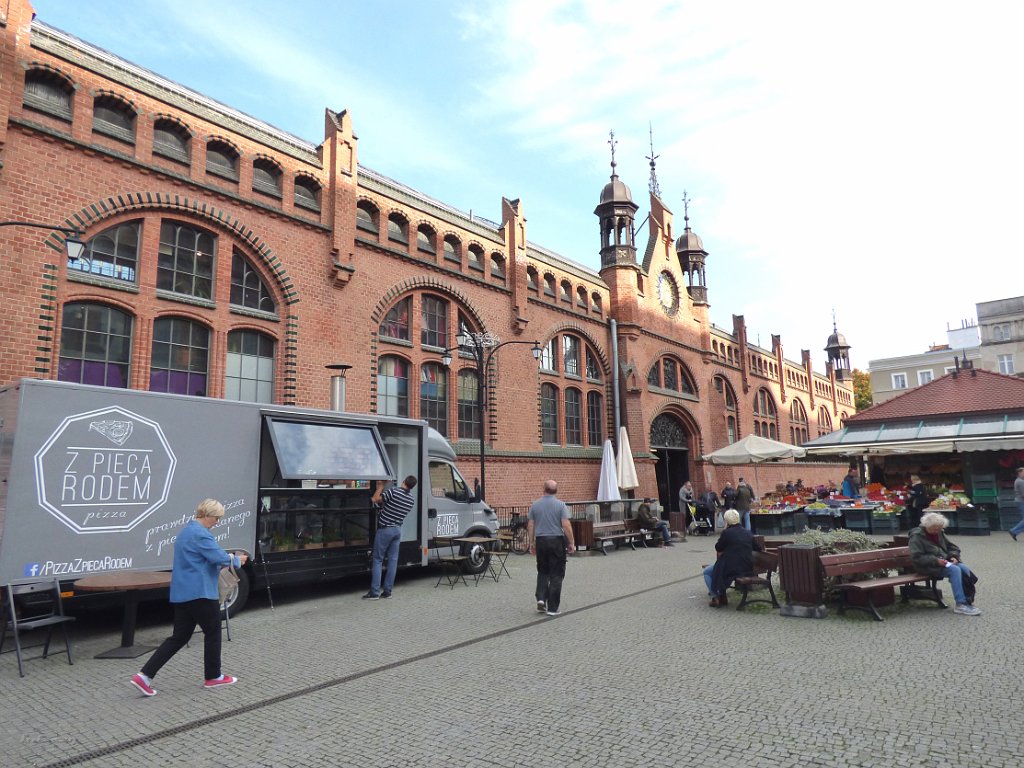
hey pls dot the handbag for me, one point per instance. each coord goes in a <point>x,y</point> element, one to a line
<point>227,581</point>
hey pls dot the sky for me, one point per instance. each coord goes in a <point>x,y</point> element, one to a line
<point>864,159</point>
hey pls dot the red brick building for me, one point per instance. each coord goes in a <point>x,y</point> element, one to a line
<point>230,259</point>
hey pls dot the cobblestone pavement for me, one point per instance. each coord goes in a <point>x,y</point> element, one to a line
<point>638,671</point>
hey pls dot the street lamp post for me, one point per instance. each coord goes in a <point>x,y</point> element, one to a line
<point>482,347</point>
<point>73,245</point>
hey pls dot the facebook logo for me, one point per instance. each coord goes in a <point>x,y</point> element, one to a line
<point>32,569</point>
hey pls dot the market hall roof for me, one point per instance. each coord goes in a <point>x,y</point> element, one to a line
<point>967,410</point>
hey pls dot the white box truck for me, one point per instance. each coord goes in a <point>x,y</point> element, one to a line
<point>100,479</point>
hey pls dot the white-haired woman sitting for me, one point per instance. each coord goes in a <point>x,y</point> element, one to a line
<point>936,556</point>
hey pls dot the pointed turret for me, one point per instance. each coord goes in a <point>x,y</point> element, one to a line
<point>616,212</point>
<point>691,253</point>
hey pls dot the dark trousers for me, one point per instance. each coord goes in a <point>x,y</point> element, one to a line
<point>205,613</point>
<point>550,570</point>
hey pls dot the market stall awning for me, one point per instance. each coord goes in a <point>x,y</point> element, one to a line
<point>944,434</point>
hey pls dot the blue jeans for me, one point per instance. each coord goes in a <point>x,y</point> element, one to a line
<point>663,527</point>
<point>745,517</point>
<point>707,579</point>
<point>385,544</point>
<point>1019,526</point>
<point>955,574</point>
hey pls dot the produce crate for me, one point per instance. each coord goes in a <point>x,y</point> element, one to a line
<point>858,519</point>
<point>766,525</point>
<point>972,521</point>
<point>881,523</point>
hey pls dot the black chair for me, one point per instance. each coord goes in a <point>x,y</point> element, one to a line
<point>40,607</point>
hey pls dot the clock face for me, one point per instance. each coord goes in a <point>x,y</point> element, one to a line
<point>668,293</point>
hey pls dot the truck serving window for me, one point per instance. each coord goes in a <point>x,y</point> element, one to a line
<point>328,451</point>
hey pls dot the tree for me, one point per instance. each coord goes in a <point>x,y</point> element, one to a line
<point>861,390</point>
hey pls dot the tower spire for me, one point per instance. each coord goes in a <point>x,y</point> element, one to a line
<point>686,209</point>
<point>612,142</point>
<point>653,183</point>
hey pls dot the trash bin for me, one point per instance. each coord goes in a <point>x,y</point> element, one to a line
<point>800,573</point>
<point>582,532</point>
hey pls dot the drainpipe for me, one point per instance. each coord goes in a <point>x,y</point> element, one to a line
<point>616,421</point>
<point>338,385</point>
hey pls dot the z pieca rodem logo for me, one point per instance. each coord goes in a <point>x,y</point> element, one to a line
<point>105,470</point>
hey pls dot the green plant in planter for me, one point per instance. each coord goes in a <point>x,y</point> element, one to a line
<point>834,542</point>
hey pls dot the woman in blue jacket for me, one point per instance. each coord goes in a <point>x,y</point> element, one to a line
<point>198,559</point>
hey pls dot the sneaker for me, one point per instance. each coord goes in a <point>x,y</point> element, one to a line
<point>541,606</point>
<point>967,610</point>
<point>222,680</point>
<point>385,595</point>
<point>554,613</point>
<point>371,596</point>
<point>669,544</point>
<point>140,682</point>
<point>1014,535</point>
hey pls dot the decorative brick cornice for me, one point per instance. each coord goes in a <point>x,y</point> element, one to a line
<point>100,210</point>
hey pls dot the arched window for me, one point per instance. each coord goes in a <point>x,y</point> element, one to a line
<point>595,418</point>
<point>95,345</point>
<point>581,297</point>
<point>367,217</point>
<point>573,417</point>
<point>247,287</point>
<point>498,266</point>
<point>425,237</point>
<point>571,355</point>
<point>266,177</point>
<point>670,375</point>
<point>180,359</point>
<point>549,285</point>
<point>434,322</point>
<point>595,302</point>
<point>392,386</point>
<point>532,279</point>
<point>798,432</point>
<point>549,414</point>
<point>249,367</point>
<point>723,388</point>
<point>824,421</point>
<point>396,322</point>
<point>476,257</point>
<point>171,140</point>
<point>185,264</point>
<point>113,253</point>
<point>46,91</point>
<point>222,159</point>
<point>593,366</point>
<point>451,249</point>
<point>566,294</point>
<point>549,356</point>
<point>398,229</point>
<point>307,193</point>
<point>469,405</point>
<point>112,117</point>
<point>434,396</point>
<point>765,419</point>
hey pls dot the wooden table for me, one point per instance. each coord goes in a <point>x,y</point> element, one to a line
<point>131,583</point>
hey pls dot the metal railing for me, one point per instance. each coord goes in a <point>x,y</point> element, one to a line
<point>598,511</point>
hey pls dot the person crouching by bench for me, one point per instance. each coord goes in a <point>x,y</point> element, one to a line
<point>936,556</point>
<point>735,549</point>
<point>649,522</point>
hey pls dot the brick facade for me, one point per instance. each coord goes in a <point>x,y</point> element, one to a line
<point>336,263</point>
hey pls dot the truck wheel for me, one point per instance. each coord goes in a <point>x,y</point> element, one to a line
<point>477,559</point>
<point>239,595</point>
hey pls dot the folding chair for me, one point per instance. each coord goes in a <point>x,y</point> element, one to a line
<point>45,611</point>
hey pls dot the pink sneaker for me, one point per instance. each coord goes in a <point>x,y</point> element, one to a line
<point>140,682</point>
<point>217,683</point>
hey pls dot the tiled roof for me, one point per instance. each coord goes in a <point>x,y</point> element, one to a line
<point>969,391</point>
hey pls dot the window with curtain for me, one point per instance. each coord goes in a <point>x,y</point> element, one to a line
<point>434,322</point>
<point>434,396</point>
<point>180,358</point>
<point>396,322</point>
<point>392,386</point>
<point>469,407</point>
<point>95,345</point>
<point>249,367</point>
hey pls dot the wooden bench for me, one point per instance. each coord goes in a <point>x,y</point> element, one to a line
<point>846,564</point>
<point>631,533</point>
<point>764,563</point>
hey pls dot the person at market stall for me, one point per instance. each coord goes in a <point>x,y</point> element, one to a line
<point>851,484</point>
<point>916,501</point>
<point>936,556</point>
<point>1018,498</point>
<point>744,499</point>
<point>651,523</point>
<point>728,496</point>
<point>790,488</point>
<point>735,548</point>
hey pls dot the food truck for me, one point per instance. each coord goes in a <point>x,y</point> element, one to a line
<point>96,479</point>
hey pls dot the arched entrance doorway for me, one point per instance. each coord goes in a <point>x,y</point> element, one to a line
<point>670,442</point>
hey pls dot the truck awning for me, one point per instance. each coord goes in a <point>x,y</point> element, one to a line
<point>320,451</point>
